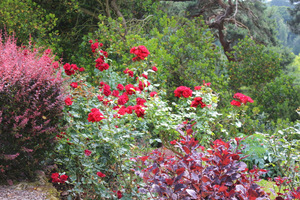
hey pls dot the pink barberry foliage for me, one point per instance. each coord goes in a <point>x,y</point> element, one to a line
<point>31,104</point>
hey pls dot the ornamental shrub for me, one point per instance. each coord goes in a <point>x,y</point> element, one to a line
<point>112,122</point>
<point>195,173</point>
<point>31,105</point>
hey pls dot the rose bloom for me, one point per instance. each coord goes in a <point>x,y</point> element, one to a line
<point>139,111</point>
<point>74,85</point>
<point>95,115</point>
<point>154,68</point>
<point>120,87</point>
<point>129,109</point>
<point>106,90</point>
<point>122,110</point>
<point>68,101</point>
<point>74,67</point>
<point>129,89</point>
<point>100,174</point>
<point>141,52</point>
<point>152,94</point>
<point>81,69</point>
<point>63,178</point>
<point>145,76</point>
<point>140,101</point>
<point>123,99</point>
<point>183,91</point>
<point>119,194</point>
<point>87,152</point>
<point>197,88</point>
<point>115,93</point>
<point>235,103</point>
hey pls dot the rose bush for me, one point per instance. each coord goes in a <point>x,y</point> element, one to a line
<point>107,123</point>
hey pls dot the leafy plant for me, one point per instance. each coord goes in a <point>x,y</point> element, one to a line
<point>193,173</point>
<point>31,108</point>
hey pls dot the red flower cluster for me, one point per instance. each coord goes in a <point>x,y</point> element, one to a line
<point>197,101</point>
<point>106,90</point>
<point>129,72</point>
<point>142,85</point>
<point>95,115</point>
<point>70,69</point>
<point>95,45</point>
<point>241,99</point>
<point>183,91</point>
<point>100,64</point>
<point>59,179</point>
<point>141,52</point>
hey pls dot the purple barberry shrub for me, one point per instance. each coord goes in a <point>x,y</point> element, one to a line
<point>31,107</point>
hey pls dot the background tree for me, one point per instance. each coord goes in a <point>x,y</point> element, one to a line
<point>295,14</point>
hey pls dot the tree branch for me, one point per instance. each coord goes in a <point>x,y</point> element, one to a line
<point>119,14</point>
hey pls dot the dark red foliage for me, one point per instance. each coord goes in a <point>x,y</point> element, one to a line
<point>217,173</point>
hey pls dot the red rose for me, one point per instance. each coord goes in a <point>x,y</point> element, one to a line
<point>130,73</point>
<point>74,85</point>
<point>197,88</point>
<point>68,101</point>
<point>95,115</point>
<point>130,89</point>
<point>106,90</point>
<point>141,53</point>
<point>120,87</point>
<point>140,101</point>
<point>55,177</point>
<point>152,94</point>
<point>81,69</point>
<point>63,178</point>
<point>154,68</point>
<point>119,194</point>
<point>115,93</point>
<point>129,109</point>
<point>123,99</point>
<point>145,76</point>
<point>74,67</point>
<point>100,98</point>
<point>183,91</point>
<point>87,152</point>
<point>197,101</point>
<point>122,110</point>
<point>139,111</point>
<point>235,103</point>
<point>100,174</point>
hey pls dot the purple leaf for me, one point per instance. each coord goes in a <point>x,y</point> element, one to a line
<point>178,187</point>
<point>192,193</point>
<point>242,166</point>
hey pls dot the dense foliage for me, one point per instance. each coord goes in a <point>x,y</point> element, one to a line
<point>133,72</point>
<point>31,107</point>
